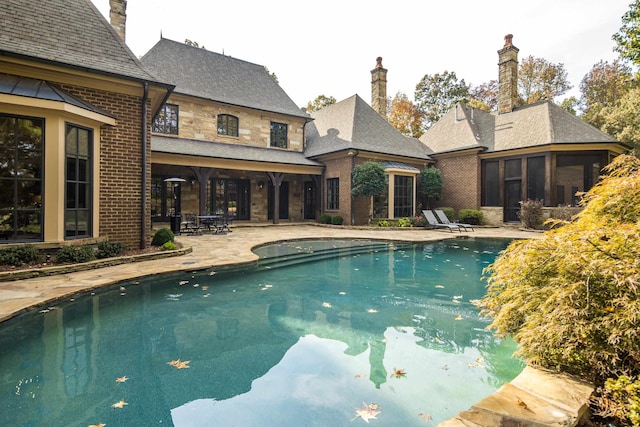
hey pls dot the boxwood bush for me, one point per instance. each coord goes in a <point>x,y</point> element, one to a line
<point>75,254</point>
<point>162,236</point>
<point>325,219</point>
<point>19,255</point>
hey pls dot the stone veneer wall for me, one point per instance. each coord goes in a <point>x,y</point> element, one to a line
<point>120,165</point>
<point>461,182</point>
<point>199,120</point>
<point>339,168</point>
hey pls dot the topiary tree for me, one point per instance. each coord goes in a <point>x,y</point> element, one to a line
<point>571,298</point>
<point>368,179</point>
<point>431,184</point>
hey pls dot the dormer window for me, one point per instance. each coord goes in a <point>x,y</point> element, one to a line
<point>278,135</point>
<point>167,120</point>
<point>227,125</point>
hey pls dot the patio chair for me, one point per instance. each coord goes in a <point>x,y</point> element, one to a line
<point>443,219</point>
<point>190,225</point>
<point>434,223</point>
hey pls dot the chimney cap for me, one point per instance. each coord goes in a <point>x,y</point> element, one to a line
<point>508,40</point>
<point>379,62</point>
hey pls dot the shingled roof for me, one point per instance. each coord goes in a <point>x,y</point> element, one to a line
<point>353,124</point>
<point>72,33</point>
<point>539,124</point>
<point>204,74</point>
<point>192,147</point>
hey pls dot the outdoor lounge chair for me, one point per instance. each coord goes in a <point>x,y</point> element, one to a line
<point>443,219</point>
<point>434,223</point>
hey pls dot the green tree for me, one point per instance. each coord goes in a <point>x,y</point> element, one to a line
<point>405,116</point>
<point>621,120</point>
<point>602,88</point>
<point>368,179</point>
<point>431,184</point>
<point>320,102</point>
<point>539,79</point>
<point>436,94</point>
<point>571,298</point>
<point>628,37</point>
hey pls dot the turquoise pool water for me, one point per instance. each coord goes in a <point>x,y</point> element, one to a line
<point>320,333</point>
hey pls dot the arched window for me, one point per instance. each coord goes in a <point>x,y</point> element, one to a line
<point>227,125</point>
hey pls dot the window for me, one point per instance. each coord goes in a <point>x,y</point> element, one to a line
<point>227,125</point>
<point>576,173</point>
<point>278,135</point>
<point>491,184</point>
<point>535,178</point>
<point>333,194</point>
<point>21,166</point>
<point>402,196</point>
<point>167,120</point>
<point>77,212</point>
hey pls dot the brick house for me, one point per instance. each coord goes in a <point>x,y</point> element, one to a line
<point>492,161</point>
<point>75,114</point>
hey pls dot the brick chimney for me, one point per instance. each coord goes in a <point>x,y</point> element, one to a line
<point>507,76</point>
<point>118,16</point>
<point>379,88</point>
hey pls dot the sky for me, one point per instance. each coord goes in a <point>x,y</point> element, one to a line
<point>329,47</point>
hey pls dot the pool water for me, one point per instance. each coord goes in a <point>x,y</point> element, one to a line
<point>320,333</point>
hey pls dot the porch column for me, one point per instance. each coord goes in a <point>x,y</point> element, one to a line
<point>202,175</point>
<point>276,179</point>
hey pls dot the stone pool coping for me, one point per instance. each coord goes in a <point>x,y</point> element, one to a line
<point>534,398</point>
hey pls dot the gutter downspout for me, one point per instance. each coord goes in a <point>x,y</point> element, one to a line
<point>143,207</point>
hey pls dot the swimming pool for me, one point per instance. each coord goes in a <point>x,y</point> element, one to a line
<point>317,333</point>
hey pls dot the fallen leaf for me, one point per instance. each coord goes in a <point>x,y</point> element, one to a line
<point>326,304</point>
<point>183,365</point>
<point>120,404</point>
<point>439,287</point>
<point>425,417</point>
<point>372,310</point>
<point>204,287</point>
<point>121,379</point>
<point>398,373</point>
<point>97,425</point>
<point>366,413</point>
<point>457,317</point>
<point>174,362</point>
<point>521,403</point>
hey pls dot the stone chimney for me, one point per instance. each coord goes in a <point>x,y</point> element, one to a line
<point>118,16</point>
<point>507,76</point>
<point>379,88</point>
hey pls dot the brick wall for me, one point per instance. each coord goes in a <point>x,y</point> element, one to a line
<point>461,182</point>
<point>120,166</point>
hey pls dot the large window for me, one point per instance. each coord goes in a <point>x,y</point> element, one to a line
<point>77,213</point>
<point>491,183</point>
<point>576,173</point>
<point>333,194</point>
<point>278,135</point>
<point>403,196</point>
<point>227,125</point>
<point>167,120</point>
<point>536,178</point>
<point>21,145</point>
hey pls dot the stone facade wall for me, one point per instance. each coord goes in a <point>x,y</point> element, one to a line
<point>120,165</point>
<point>199,120</point>
<point>461,182</point>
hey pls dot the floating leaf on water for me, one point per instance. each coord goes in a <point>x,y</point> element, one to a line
<point>342,293</point>
<point>366,413</point>
<point>119,404</point>
<point>183,282</point>
<point>204,287</point>
<point>439,287</point>
<point>121,379</point>
<point>372,310</point>
<point>457,317</point>
<point>98,425</point>
<point>398,373</point>
<point>326,304</point>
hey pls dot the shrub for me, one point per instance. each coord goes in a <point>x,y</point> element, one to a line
<point>419,221</point>
<point>19,255</point>
<point>470,216</point>
<point>384,223</point>
<point>531,214</point>
<point>325,219</point>
<point>404,222</point>
<point>449,212</point>
<point>620,399</point>
<point>109,249</point>
<point>75,254</point>
<point>169,246</point>
<point>337,220</point>
<point>162,236</point>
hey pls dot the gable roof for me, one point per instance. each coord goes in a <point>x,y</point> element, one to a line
<point>204,74</point>
<point>539,124</point>
<point>71,33</point>
<point>353,124</point>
